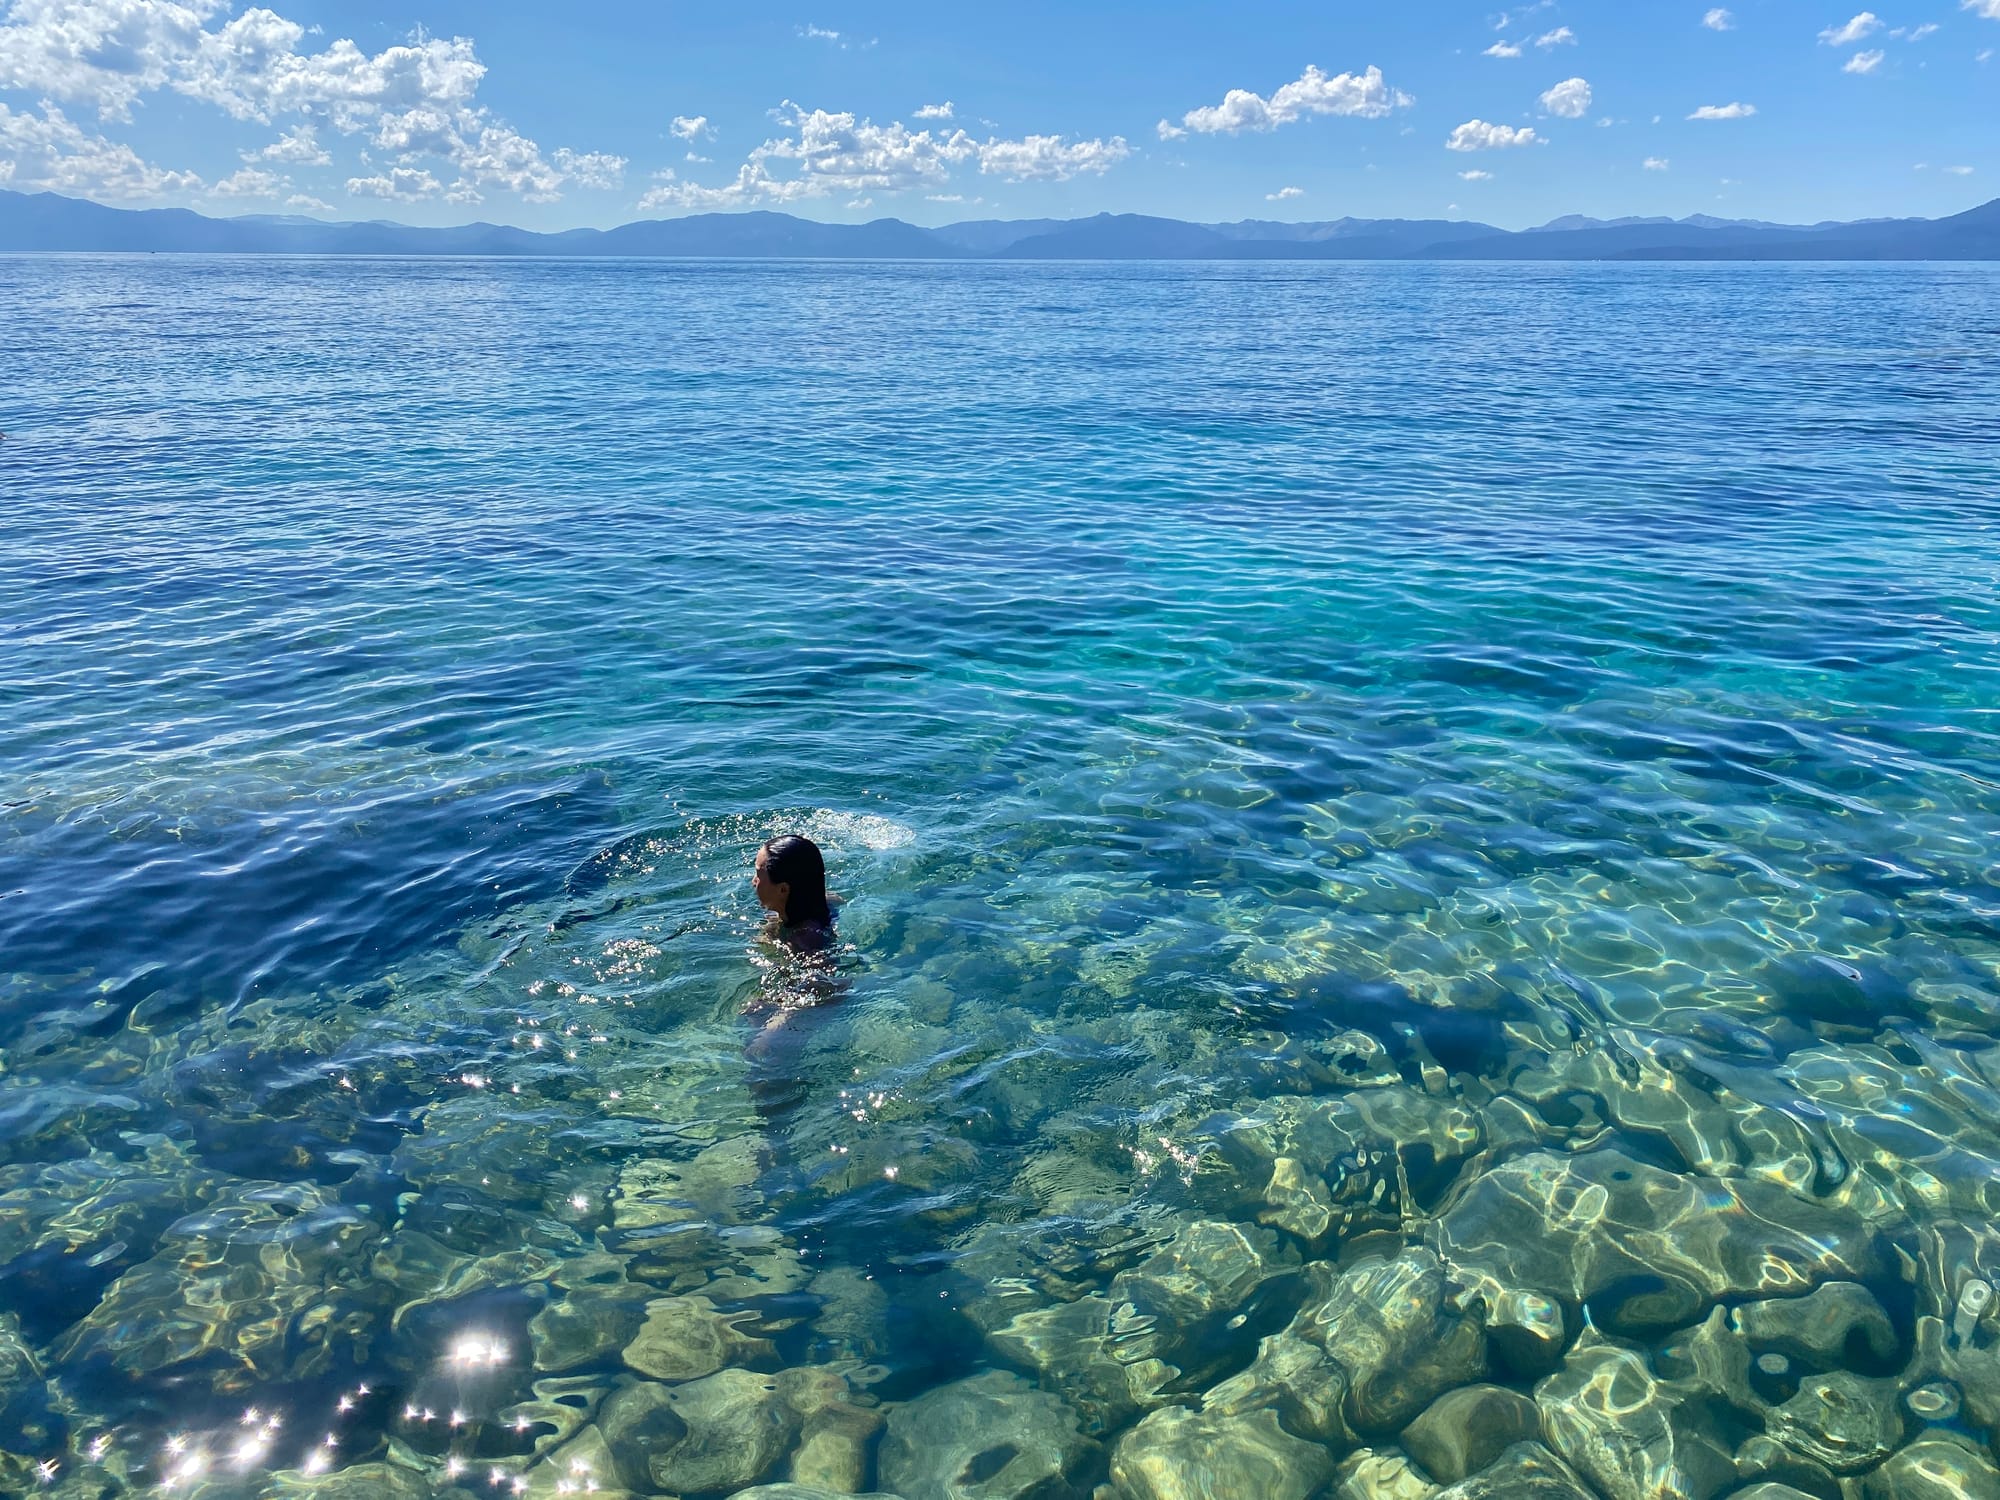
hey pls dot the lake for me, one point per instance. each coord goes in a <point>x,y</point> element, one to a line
<point>1404,830</point>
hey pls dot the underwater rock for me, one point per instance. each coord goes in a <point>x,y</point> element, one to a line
<point>1390,1325</point>
<point>1841,1420</point>
<point>1178,1454</point>
<point>1526,1333</point>
<point>587,1327</point>
<point>562,1404</point>
<point>423,1272</point>
<point>1953,1258</point>
<point>1839,1324</point>
<point>1634,1436</point>
<point>377,1481</point>
<point>584,1465</point>
<point>1327,1168</point>
<point>1003,1270</point>
<point>715,1187</point>
<point>1380,1474</point>
<point>685,1338</point>
<point>1296,1379</point>
<point>796,1491</point>
<point>1464,1430</point>
<point>1935,1468</point>
<point>1766,1490</point>
<point>989,1437</point>
<point>1969,1368</point>
<point>1526,1471</point>
<point>1085,1352</point>
<point>853,1317</point>
<point>236,1292</point>
<point>1936,1401</point>
<point>1642,1249</point>
<point>1357,1060</point>
<point>725,1432</point>
<point>723,1264</point>
<point>1762,1459</point>
<point>23,1395</point>
<point>1195,1307</point>
<point>1713,1358</point>
<point>833,1447</point>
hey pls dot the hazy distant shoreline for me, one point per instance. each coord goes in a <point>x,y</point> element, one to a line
<point>45,222</point>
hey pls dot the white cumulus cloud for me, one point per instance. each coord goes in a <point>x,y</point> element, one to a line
<point>49,152</point>
<point>690,128</point>
<point>1570,99</point>
<point>1050,158</point>
<point>1719,20</point>
<point>1724,112</point>
<point>594,169</point>
<point>935,111</point>
<point>1283,193</point>
<point>1477,135</point>
<point>415,98</point>
<point>1864,25</point>
<point>402,184</point>
<point>1865,62</point>
<point>1502,49</point>
<point>1365,95</point>
<point>1656,164</point>
<point>297,147</point>
<point>306,203</point>
<point>829,152</point>
<point>251,182</point>
<point>1562,36</point>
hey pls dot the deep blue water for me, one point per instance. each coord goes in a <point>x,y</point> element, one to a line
<point>1182,665</point>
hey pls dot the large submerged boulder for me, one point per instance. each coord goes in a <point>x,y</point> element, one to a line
<point>989,1437</point>
<point>1179,1454</point>
<point>1643,1250</point>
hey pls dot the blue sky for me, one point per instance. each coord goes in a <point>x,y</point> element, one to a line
<point>601,111</point>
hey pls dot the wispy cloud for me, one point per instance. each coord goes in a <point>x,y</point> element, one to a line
<point>1724,112</point>
<point>1719,20</point>
<point>1655,164</point>
<point>1475,175</point>
<point>1864,62</point>
<point>1502,49</point>
<point>1864,25</point>
<point>1562,36</point>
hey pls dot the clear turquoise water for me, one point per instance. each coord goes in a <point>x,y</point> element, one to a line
<point>1181,665</point>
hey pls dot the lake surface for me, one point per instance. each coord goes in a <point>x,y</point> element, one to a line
<point>1437,818</point>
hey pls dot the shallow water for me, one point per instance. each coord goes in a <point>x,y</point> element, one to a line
<point>1555,708</point>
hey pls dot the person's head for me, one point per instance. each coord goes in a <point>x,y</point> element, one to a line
<point>790,880</point>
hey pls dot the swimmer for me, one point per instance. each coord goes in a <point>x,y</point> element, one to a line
<point>790,882</point>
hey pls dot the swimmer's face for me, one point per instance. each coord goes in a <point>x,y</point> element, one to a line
<point>772,895</point>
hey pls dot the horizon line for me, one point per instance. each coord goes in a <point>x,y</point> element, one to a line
<point>782,213</point>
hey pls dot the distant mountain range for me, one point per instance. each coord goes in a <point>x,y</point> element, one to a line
<point>46,222</point>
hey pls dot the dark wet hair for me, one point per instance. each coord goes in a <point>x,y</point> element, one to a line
<point>793,859</point>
